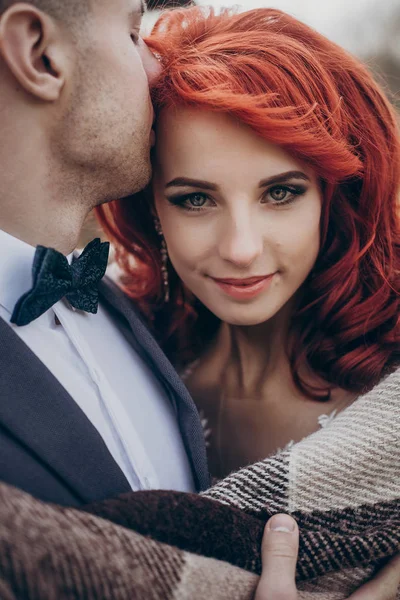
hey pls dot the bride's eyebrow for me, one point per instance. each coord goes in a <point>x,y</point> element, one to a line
<point>283,177</point>
<point>187,182</point>
<point>206,185</point>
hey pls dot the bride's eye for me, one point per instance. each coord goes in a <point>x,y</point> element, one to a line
<point>197,200</point>
<point>192,202</point>
<point>280,195</point>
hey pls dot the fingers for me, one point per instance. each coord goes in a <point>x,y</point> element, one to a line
<point>384,585</point>
<point>279,556</point>
<point>280,547</point>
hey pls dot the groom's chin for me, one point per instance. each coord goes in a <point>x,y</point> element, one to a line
<point>138,183</point>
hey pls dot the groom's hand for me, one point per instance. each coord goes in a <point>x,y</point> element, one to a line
<point>280,547</point>
<point>279,556</point>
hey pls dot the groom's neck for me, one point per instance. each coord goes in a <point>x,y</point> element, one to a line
<point>41,203</point>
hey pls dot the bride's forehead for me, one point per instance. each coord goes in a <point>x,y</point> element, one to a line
<point>186,126</point>
<point>211,136</point>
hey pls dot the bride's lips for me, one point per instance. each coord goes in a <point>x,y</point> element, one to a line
<point>244,289</point>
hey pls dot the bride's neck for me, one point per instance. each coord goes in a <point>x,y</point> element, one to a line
<point>253,354</point>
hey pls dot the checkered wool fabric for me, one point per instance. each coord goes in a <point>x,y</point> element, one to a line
<point>342,484</point>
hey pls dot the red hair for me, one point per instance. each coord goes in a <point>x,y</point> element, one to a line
<point>297,89</point>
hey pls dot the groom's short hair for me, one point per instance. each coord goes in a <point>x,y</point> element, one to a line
<point>63,10</point>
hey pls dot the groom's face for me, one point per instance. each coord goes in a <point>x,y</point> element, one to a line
<point>106,128</point>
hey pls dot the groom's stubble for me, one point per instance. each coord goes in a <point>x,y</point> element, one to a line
<point>76,110</point>
<point>104,129</point>
<point>100,130</point>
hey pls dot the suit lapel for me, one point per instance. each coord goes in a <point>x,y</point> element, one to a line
<point>150,351</point>
<point>42,415</point>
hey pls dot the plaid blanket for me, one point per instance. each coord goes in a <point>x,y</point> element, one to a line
<point>342,484</point>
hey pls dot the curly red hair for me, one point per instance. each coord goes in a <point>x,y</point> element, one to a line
<point>299,90</point>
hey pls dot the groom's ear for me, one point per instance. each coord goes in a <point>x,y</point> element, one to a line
<point>33,49</point>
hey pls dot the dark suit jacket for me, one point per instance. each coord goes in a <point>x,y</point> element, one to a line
<point>48,447</point>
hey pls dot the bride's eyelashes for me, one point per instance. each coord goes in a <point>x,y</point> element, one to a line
<point>195,201</point>
<point>282,195</point>
<point>277,196</point>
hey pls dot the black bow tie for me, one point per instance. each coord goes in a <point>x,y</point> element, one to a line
<point>54,278</point>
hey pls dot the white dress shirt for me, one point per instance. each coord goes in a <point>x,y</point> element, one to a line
<point>104,375</point>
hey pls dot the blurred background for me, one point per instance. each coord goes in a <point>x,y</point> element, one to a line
<point>369,29</point>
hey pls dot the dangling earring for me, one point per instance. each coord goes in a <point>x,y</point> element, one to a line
<point>164,259</point>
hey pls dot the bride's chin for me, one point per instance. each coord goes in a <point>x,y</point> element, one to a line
<point>244,320</point>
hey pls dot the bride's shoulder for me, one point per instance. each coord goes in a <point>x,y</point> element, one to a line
<point>202,372</point>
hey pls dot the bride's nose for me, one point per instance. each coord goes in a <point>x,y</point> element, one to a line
<point>241,240</point>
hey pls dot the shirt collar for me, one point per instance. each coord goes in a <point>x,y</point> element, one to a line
<point>16,260</point>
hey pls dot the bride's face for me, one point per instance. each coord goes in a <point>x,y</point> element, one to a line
<point>240,216</point>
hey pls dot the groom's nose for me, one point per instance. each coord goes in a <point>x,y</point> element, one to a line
<point>151,65</point>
